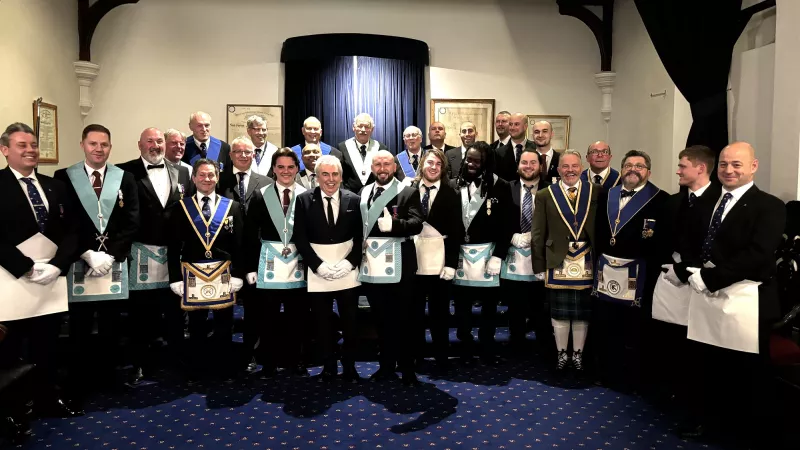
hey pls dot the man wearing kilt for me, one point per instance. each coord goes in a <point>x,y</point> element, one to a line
<point>562,240</point>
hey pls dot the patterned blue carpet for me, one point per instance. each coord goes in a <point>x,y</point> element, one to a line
<point>512,406</point>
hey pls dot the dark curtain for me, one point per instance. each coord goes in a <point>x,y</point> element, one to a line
<point>393,93</point>
<point>695,40</point>
<point>322,88</point>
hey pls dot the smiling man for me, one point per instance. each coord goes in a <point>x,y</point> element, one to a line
<point>175,148</point>
<point>202,145</point>
<point>307,176</point>
<point>600,172</point>
<point>410,159</point>
<point>542,134</point>
<point>312,134</point>
<point>357,154</point>
<point>455,156</point>
<point>262,150</point>
<point>508,155</point>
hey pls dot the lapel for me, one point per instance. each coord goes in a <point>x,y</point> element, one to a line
<point>515,195</point>
<point>18,197</point>
<point>173,174</point>
<point>739,209</point>
<point>343,204</point>
<point>255,183</point>
<point>148,185</point>
<point>52,202</point>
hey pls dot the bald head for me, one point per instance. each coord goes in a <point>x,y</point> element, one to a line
<point>598,155</point>
<point>152,145</point>
<point>312,130</point>
<point>737,165</point>
<point>436,134</point>
<point>542,133</point>
<point>468,134</point>
<point>200,124</point>
<point>383,167</point>
<point>518,126</point>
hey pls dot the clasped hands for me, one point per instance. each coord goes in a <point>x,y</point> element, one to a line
<point>335,272</point>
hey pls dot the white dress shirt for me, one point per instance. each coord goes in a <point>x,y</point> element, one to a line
<point>212,202</point>
<point>514,145</point>
<point>197,142</point>
<point>90,171</point>
<point>624,201</point>
<point>463,152</point>
<point>602,174</point>
<point>737,194</point>
<point>36,183</point>
<point>247,172</point>
<point>505,141</point>
<point>281,188</point>
<point>700,191</point>
<point>160,180</point>
<point>335,199</point>
<point>188,167</point>
<point>548,157</point>
<point>433,192</point>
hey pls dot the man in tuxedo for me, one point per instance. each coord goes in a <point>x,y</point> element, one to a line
<point>175,147</point>
<point>357,155</point>
<point>40,205</point>
<point>410,159</point>
<point>507,156</point>
<point>742,236</point>
<point>312,134</point>
<point>262,150</point>
<point>501,125</point>
<point>159,188</point>
<point>391,214</point>
<point>455,156</point>
<point>437,250</point>
<point>486,216</point>
<point>307,177</point>
<point>275,269</point>
<point>328,234</point>
<point>107,211</point>
<point>542,133</point>
<point>600,172</point>
<point>436,136</point>
<point>205,265</point>
<point>202,145</point>
<point>523,292</point>
<point>629,256</point>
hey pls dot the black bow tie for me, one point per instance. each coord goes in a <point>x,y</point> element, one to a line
<point>625,193</point>
<point>155,166</point>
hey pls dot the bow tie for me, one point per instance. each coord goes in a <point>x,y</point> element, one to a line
<point>625,193</point>
<point>155,166</point>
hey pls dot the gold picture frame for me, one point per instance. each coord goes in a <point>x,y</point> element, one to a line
<point>560,123</point>
<point>236,122</point>
<point>45,124</point>
<point>453,112</point>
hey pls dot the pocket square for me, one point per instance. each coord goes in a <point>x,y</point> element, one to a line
<point>349,210</point>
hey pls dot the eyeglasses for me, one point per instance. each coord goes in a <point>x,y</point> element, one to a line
<point>600,152</point>
<point>634,166</point>
<point>243,152</point>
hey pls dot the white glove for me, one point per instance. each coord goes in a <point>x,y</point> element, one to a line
<point>696,281</point>
<point>539,276</point>
<point>325,271</point>
<point>448,273</point>
<point>385,221</point>
<point>236,284</point>
<point>526,240</point>
<point>341,269</point>
<point>95,273</point>
<point>99,261</point>
<point>177,288</point>
<point>251,278</point>
<point>493,268</point>
<point>44,274</point>
<point>517,240</point>
<point>671,276</point>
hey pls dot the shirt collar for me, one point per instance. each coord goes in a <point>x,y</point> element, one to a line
<point>565,187</point>
<point>19,175</point>
<point>197,142</point>
<point>437,184</point>
<point>700,191</point>
<point>602,174</point>
<point>514,144</point>
<point>236,171</point>
<point>524,183</point>
<point>89,170</point>
<point>148,163</point>
<point>336,195</point>
<point>738,192</point>
<point>505,141</point>
<point>282,187</point>
<point>548,153</point>
<point>212,198</point>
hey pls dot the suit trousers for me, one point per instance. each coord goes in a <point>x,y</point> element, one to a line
<point>35,340</point>
<point>154,313</point>
<point>109,332</point>
<point>221,343</point>
<point>390,305</point>
<point>618,340</point>
<point>271,333</point>
<point>465,296</point>
<point>526,302</point>
<point>327,336</point>
<point>436,292</point>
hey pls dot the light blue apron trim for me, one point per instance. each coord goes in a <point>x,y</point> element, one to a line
<point>75,290</point>
<point>369,217</point>
<point>508,268</point>
<point>108,196</point>
<point>393,274</point>
<point>473,255</point>
<point>137,281</point>
<point>268,250</point>
<point>275,208</point>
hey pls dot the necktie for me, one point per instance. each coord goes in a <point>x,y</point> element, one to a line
<point>312,180</point>
<point>598,179</point>
<point>241,186</point>
<point>376,194</point>
<point>331,220</point>
<point>155,166</point>
<point>625,193</point>
<point>286,200</point>
<point>716,221</point>
<point>203,149</point>
<point>36,201</point>
<point>363,151</point>
<point>206,208</point>
<point>426,199</point>
<point>97,183</point>
<point>692,199</point>
<point>527,210</point>
<point>258,156</point>
<point>415,162</point>
<point>572,194</point>
<point>519,152</point>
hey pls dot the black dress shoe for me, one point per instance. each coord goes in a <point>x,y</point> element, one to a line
<point>410,379</point>
<point>350,375</point>
<point>251,367</point>
<point>299,371</point>
<point>136,377</point>
<point>17,430</point>
<point>328,373</point>
<point>56,407</point>
<point>383,374</point>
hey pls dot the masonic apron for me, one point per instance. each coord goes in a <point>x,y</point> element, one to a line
<point>727,318</point>
<point>429,246</point>
<point>473,258</point>
<point>280,266</point>
<point>363,167</point>
<point>576,271</point>
<point>383,258</point>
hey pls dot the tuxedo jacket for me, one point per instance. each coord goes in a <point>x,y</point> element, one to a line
<point>20,224</point>
<point>688,227</point>
<point>192,152</point>
<point>406,223</point>
<point>454,160</point>
<point>744,248</point>
<point>350,180</point>
<point>311,225</point>
<point>228,186</point>
<point>505,158</point>
<point>185,245</point>
<point>122,225</point>
<point>496,227</point>
<point>444,214</point>
<point>153,217</point>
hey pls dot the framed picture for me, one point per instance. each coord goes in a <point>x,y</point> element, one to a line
<point>237,121</point>
<point>45,122</point>
<point>453,112</point>
<point>560,138</point>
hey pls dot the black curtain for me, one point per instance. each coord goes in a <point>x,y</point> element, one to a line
<point>389,84</point>
<point>695,40</point>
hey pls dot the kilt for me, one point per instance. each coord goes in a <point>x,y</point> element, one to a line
<point>570,304</point>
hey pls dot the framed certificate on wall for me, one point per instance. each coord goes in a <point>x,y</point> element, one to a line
<point>453,112</point>
<point>45,124</point>
<point>237,121</point>
<point>560,138</point>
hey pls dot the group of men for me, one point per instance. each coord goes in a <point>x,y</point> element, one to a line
<point>194,222</point>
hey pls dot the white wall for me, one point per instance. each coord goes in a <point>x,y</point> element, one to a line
<point>525,55</point>
<point>38,44</point>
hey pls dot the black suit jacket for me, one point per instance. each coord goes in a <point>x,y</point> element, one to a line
<point>505,158</point>
<point>552,169</point>
<point>496,227</point>
<point>334,152</point>
<point>688,228</point>
<point>444,214</point>
<point>228,186</point>
<point>515,213</point>
<point>122,226</point>
<point>258,227</point>
<point>20,224</point>
<point>744,248</point>
<point>454,160</point>
<point>350,180</point>
<point>311,225</point>
<point>224,154</point>
<point>184,244</point>
<point>154,218</point>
